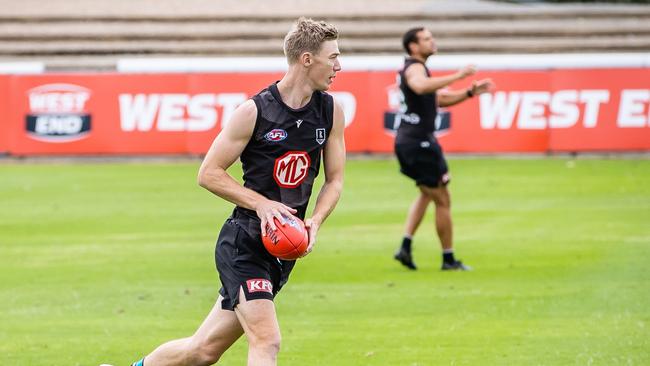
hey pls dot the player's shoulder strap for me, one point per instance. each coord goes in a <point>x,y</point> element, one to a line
<point>261,99</point>
<point>409,61</point>
<point>328,107</point>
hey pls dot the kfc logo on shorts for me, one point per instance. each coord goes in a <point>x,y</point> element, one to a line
<point>57,113</point>
<point>291,169</point>
<point>275,135</point>
<point>259,285</point>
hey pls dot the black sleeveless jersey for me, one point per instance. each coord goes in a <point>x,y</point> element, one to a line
<point>418,112</point>
<point>282,158</point>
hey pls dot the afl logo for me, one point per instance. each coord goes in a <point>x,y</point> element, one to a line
<point>58,113</point>
<point>291,169</point>
<point>275,135</point>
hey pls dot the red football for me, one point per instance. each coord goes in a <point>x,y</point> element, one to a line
<point>288,241</point>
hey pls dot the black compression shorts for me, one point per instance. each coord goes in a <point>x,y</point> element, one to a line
<point>423,162</point>
<point>243,262</point>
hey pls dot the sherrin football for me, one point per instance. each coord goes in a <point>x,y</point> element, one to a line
<point>288,241</point>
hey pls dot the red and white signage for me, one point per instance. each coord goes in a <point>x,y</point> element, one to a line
<point>559,110</point>
<point>291,169</point>
<point>57,113</point>
<point>5,125</point>
<point>259,285</point>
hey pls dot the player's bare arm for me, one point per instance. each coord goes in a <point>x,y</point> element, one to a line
<point>226,148</point>
<point>447,98</point>
<point>420,83</point>
<point>334,166</point>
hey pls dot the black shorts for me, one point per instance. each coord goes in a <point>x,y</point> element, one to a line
<point>424,163</point>
<point>243,262</point>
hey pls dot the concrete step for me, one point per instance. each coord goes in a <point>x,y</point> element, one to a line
<point>267,30</point>
<point>509,45</point>
<point>68,36</point>
<point>273,46</point>
<point>376,10</point>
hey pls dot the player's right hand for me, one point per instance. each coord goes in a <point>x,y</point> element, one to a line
<point>268,209</point>
<point>467,71</point>
<point>482,86</point>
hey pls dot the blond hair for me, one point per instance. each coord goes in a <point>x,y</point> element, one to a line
<point>307,35</point>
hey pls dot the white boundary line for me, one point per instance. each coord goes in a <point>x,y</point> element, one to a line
<point>391,63</point>
<point>22,67</point>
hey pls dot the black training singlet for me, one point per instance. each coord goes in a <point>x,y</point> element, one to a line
<point>418,111</point>
<point>282,158</point>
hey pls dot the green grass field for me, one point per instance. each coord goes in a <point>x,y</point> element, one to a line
<point>101,262</point>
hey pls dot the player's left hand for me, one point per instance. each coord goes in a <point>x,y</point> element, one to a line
<point>482,86</point>
<point>312,228</point>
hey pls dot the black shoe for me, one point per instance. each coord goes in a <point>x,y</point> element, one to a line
<point>405,258</point>
<point>455,266</point>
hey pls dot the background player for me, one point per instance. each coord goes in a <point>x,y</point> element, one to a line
<point>418,151</point>
<point>279,135</point>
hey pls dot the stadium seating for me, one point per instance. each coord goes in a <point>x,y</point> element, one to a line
<point>67,37</point>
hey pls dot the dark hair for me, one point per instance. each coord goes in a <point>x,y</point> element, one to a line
<point>411,36</point>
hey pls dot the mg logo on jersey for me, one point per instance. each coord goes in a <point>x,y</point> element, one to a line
<point>58,113</point>
<point>259,285</point>
<point>291,169</point>
<point>276,135</point>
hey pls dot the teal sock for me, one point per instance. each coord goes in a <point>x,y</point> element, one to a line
<point>138,363</point>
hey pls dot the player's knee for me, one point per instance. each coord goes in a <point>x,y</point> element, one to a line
<point>203,353</point>
<point>442,200</point>
<point>208,356</point>
<point>269,342</point>
<point>443,203</point>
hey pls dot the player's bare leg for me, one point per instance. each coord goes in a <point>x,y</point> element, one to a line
<point>260,323</point>
<point>416,212</point>
<point>444,227</point>
<point>217,333</point>
<point>442,200</point>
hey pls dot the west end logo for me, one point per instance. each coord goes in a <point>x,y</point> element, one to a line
<point>320,135</point>
<point>275,135</point>
<point>57,113</point>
